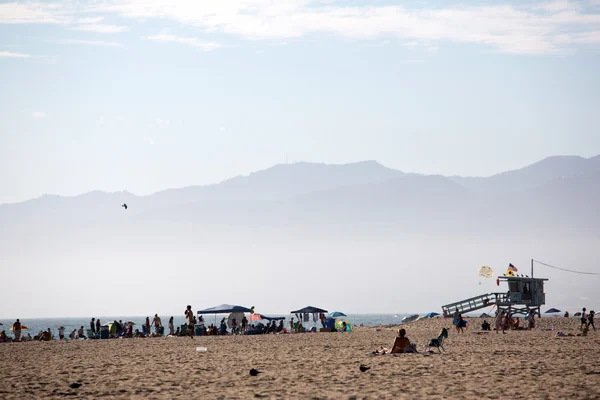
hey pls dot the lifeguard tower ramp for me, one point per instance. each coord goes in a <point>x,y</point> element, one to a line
<point>474,303</point>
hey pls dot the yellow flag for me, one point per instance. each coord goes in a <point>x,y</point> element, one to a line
<point>510,273</point>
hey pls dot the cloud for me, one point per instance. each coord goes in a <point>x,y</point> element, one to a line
<point>93,20</point>
<point>149,140</point>
<point>38,114</point>
<point>32,13</point>
<point>101,28</point>
<point>517,29</point>
<point>206,46</point>
<point>89,42</point>
<point>543,27</point>
<point>222,129</point>
<point>10,54</point>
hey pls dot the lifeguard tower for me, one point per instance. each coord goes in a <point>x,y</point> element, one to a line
<point>524,293</point>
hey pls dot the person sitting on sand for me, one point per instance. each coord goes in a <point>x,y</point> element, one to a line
<point>73,334</point>
<point>401,345</point>
<point>3,337</point>
<point>80,333</point>
<point>516,322</point>
<point>486,326</point>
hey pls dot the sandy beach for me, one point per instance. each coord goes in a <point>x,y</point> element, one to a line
<point>518,365</point>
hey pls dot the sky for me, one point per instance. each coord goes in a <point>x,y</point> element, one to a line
<point>147,95</point>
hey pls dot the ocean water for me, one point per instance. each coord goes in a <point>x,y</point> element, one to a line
<point>41,324</point>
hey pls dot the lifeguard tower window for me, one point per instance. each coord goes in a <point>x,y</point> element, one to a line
<point>514,286</point>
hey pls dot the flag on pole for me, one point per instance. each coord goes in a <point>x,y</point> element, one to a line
<point>510,273</point>
<point>512,268</point>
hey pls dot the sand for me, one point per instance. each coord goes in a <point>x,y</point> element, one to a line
<point>517,365</point>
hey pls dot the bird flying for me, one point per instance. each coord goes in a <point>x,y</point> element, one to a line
<point>124,206</point>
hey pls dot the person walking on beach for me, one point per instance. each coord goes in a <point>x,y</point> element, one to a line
<point>17,330</point>
<point>157,324</point>
<point>93,326</point>
<point>189,314</point>
<point>591,320</point>
<point>583,318</point>
<point>171,326</point>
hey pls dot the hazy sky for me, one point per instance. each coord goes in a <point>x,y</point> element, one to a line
<point>147,95</point>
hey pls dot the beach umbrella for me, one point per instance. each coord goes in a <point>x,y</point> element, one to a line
<point>255,317</point>
<point>336,314</point>
<point>410,318</point>
<point>431,315</point>
<point>552,311</point>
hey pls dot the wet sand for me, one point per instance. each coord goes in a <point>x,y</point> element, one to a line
<point>518,365</point>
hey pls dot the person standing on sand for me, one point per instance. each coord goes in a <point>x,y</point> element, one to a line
<point>147,326</point>
<point>189,314</point>
<point>98,325</point>
<point>171,326</point>
<point>157,324</point>
<point>17,330</point>
<point>583,318</point>
<point>499,322</point>
<point>93,326</point>
<point>531,319</point>
<point>292,325</point>
<point>61,333</point>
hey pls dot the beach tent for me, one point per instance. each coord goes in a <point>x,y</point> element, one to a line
<point>484,315</point>
<point>309,310</point>
<point>552,311</point>
<point>225,309</point>
<point>340,324</point>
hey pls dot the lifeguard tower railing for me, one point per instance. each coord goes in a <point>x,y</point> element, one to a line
<point>476,303</point>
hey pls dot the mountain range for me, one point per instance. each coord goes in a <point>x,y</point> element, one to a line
<point>561,192</point>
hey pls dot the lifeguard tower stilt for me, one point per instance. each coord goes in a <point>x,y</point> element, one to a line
<point>524,293</point>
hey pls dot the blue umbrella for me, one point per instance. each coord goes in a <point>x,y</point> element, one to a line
<point>336,314</point>
<point>431,315</point>
<point>552,311</point>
